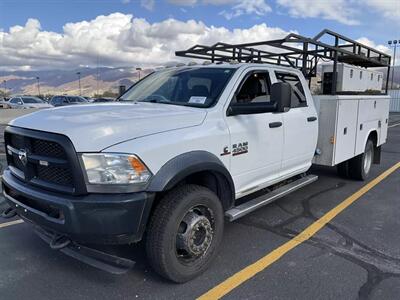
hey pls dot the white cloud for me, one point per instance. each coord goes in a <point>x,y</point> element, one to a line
<point>338,10</point>
<point>117,40</point>
<point>380,47</point>
<point>147,4</point>
<point>372,44</point>
<point>183,2</point>
<point>247,7</point>
<point>389,8</point>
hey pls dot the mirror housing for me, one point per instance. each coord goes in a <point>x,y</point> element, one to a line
<point>281,93</point>
<point>250,108</point>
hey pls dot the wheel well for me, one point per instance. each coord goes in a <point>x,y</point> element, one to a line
<point>373,136</point>
<point>212,180</point>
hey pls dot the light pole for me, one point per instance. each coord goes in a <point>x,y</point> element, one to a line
<point>79,79</point>
<point>38,85</point>
<point>5,87</point>
<point>139,69</point>
<point>394,43</point>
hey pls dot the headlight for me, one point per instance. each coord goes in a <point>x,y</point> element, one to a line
<point>112,168</point>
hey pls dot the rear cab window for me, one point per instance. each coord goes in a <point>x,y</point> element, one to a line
<point>298,96</point>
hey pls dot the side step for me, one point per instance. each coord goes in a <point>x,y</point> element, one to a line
<point>250,206</point>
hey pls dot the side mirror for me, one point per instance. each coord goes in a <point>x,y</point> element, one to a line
<point>281,93</point>
<point>250,108</point>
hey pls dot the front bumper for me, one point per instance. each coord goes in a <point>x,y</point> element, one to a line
<point>93,218</point>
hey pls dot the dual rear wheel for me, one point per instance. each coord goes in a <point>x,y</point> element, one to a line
<point>358,167</point>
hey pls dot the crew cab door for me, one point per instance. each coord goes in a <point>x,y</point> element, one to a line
<point>256,138</point>
<point>300,126</point>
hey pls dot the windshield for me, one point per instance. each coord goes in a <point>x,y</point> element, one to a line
<point>31,100</point>
<point>192,86</point>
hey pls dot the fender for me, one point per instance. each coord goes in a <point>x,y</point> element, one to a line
<point>183,165</point>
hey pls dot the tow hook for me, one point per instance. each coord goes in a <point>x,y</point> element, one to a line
<point>8,213</point>
<point>59,242</point>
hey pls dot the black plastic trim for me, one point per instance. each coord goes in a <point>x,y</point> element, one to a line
<point>79,186</point>
<point>92,218</point>
<point>186,164</point>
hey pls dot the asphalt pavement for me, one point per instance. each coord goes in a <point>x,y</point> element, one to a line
<point>354,256</point>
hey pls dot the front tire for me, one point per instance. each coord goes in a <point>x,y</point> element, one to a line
<point>360,166</point>
<point>185,232</point>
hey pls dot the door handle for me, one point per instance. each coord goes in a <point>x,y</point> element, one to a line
<point>275,124</point>
<point>311,119</point>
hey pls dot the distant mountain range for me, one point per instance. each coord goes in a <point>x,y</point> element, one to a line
<point>93,80</point>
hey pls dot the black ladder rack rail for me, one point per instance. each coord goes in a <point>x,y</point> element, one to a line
<point>296,51</point>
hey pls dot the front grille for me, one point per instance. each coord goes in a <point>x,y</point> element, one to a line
<point>55,175</point>
<point>51,162</point>
<point>17,141</point>
<point>47,148</point>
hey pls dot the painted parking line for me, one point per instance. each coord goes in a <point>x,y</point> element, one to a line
<point>4,225</point>
<point>394,125</point>
<point>250,271</point>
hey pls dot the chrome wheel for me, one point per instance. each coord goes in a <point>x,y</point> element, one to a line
<point>195,234</point>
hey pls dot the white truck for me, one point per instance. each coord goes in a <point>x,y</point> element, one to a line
<point>176,154</point>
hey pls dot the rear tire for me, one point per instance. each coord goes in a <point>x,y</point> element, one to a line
<point>185,232</point>
<point>360,166</point>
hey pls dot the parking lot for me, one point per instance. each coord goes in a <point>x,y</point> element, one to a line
<point>289,249</point>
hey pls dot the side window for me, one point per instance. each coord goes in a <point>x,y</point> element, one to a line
<point>55,100</point>
<point>298,95</point>
<point>16,101</point>
<point>255,89</point>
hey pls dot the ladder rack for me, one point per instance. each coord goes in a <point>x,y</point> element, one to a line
<point>296,51</point>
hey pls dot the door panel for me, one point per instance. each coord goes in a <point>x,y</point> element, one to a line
<point>300,129</point>
<point>262,163</point>
<point>256,139</point>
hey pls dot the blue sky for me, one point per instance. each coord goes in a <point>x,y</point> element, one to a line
<point>376,21</point>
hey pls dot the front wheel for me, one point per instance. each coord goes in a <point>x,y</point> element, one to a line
<point>360,166</point>
<point>185,232</point>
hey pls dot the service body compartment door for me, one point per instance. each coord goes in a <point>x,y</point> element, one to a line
<point>346,130</point>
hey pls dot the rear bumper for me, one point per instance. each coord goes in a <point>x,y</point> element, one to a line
<point>93,218</point>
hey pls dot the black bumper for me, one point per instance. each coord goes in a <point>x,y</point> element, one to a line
<point>93,218</point>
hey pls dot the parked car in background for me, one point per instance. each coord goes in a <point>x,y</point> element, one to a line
<point>24,102</point>
<point>103,100</point>
<point>67,100</point>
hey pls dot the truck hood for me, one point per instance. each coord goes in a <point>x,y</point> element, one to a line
<point>95,127</point>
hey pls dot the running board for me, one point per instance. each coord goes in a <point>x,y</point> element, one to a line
<point>250,206</point>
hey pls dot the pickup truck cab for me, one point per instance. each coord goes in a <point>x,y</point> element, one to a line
<point>177,152</point>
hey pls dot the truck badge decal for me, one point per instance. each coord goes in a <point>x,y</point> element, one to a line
<point>240,148</point>
<point>226,151</point>
<point>23,156</point>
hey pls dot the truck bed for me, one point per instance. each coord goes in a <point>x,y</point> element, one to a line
<point>345,122</point>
